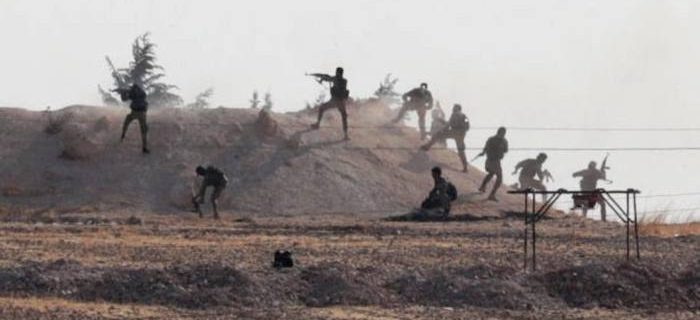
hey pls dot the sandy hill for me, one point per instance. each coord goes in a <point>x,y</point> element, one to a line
<point>72,159</point>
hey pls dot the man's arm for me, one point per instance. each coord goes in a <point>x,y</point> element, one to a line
<point>519,166</point>
<point>483,151</point>
<point>578,173</point>
<point>540,174</point>
<point>429,101</point>
<point>405,96</point>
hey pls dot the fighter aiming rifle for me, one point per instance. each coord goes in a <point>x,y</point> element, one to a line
<point>339,97</point>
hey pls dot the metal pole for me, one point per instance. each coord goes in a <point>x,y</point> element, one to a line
<point>636,230</point>
<point>627,223</point>
<point>612,203</point>
<point>534,236</point>
<point>525,247</point>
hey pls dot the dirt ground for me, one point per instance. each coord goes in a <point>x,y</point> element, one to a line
<point>147,266</point>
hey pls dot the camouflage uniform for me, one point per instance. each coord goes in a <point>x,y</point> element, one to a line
<point>339,97</point>
<point>420,100</point>
<point>439,123</point>
<point>530,169</point>
<point>139,107</point>
<point>589,178</point>
<point>212,177</point>
<point>438,197</point>
<point>496,147</point>
<point>589,182</point>
<point>457,130</point>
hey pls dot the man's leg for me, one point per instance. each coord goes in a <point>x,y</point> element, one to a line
<point>461,147</point>
<point>463,160</point>
<point>538,185</point>
<point>402,113</point>
<point>421,123</point>
<point>129,117</point>
<point>143,125</point>
<point>497,184</point>
<point>344,117</point>
<point>214,199</point>
<point>445,205</point>
<point>603,215</point>
<point>199,199</point>
<point>321,109</point>
<point>429,203</point>
<point>437,137</point>
<point>486,180</point>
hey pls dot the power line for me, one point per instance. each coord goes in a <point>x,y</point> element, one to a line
<point>594,129</point>
<point>670,210</point>
<point>602,149</point>
<point>417,148</point>
<point>669,195</point>
<point>553,149</point>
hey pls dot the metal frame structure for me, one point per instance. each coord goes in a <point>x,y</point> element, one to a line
<point>536,214</point>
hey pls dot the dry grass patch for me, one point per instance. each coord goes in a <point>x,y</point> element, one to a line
<point>657,226</point>
<point>94,309</point>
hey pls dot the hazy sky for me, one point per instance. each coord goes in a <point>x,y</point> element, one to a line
<point>621,63</point>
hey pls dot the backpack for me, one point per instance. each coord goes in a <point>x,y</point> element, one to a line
<point>216,174</point>
<point>283,259</point>
<point>451,191</point>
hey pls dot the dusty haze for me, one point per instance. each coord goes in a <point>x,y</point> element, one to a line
<point>553,63</point>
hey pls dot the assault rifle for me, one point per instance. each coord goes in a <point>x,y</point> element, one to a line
<point>320,77</point>
<point>604,167</point>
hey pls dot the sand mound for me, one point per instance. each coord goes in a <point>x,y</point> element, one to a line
<point>78,161</point>
<point>478,286</point>
<point>337,285</point>
<point>624,285</point>
<point>201,286</point>
<point>195,287</point>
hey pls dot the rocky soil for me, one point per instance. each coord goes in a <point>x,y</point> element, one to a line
<point>346,268</point>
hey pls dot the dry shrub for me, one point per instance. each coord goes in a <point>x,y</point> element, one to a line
<point>81,142</point>
<point>56,122</point>
<point>11,191</point>
<point>625,285</point>
<point>657,225</point>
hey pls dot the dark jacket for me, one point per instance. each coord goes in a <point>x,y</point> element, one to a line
<point>495,148</point>
<point>530,169</point>
<point>339,90</point>
<point>137,97</point>
<point>418,98</point>
<point>459,122</point>
<point>213,176</point>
